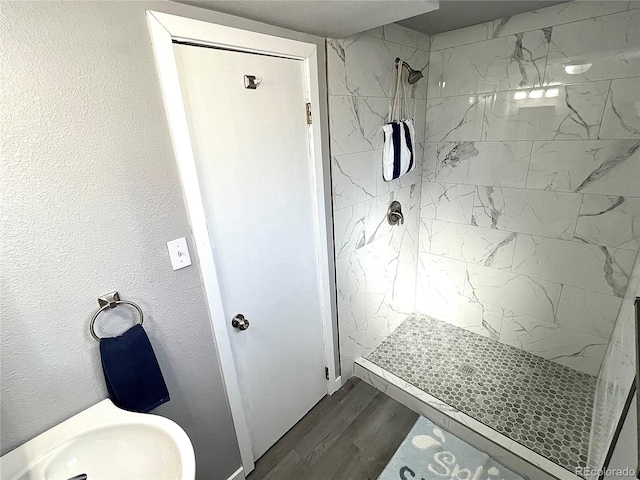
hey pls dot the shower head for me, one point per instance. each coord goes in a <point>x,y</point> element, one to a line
<point>414,75</point>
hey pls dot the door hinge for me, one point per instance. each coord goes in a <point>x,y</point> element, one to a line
<point>326,372</point>
<point>308,113</point>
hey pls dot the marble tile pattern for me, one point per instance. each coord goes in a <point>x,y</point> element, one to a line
<point>612,221</point>
<point>574,112</point>
<point>483,163</point>
<point>536,403</point>
<point>454,118</point>
<point>606,44</point>
<point>513,292</point>
<point>526,211</point>
<point>515,61</point>
<point>530,205</point>
<point>376,263</point>
<point>608,167</point>
<point>556,15</point>
<point>483,246</point>
<point>447,202</point>
<point>577,264</point>
<point>622,111</point>
<point>552,341</point>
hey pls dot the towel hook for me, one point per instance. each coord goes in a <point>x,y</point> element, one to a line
<point>111,300</point>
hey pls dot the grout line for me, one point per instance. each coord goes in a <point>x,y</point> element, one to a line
<point>515,248</point>
<point>465,284</point>
<point>511,272</point>
<point>512,90</point>
<point>465,43</point>
<point>539,140</point>
<point>427,98</point>
<point>390,41</point>
<point>439,76</point>
<point>511,188</point>
<point>526,178</point>
<point>386,97</point>
<point>604,109</point>
<point>557,140</point>
<point>575,227</point>
<point>483,117</point>
<point>535,190</point>
<point>555,312</point>
<point>495,92</point>
<point>546,60</point>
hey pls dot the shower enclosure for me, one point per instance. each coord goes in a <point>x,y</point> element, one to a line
<point>504,303</point>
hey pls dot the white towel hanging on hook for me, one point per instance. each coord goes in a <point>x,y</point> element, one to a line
<point>398,157</point>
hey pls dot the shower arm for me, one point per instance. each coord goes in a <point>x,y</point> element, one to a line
<point>404,64</point>
<point>414,75</point>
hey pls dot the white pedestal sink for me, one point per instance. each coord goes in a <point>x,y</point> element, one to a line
<point>105,442</point>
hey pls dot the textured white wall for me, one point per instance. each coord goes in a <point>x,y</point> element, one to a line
<point>90,195</point>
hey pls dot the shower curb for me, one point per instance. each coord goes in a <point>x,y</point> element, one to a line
<point>513,455</point>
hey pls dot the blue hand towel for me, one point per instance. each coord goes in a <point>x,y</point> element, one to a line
<point>133,376</point>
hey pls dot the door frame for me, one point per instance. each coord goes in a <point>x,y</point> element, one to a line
<point>164,29</point>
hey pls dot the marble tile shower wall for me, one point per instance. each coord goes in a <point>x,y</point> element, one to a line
<point>375,263</point>
<point>616,376</point>
<point>530,203</point>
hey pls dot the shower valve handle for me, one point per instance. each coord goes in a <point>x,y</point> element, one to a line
<point>394,213</point>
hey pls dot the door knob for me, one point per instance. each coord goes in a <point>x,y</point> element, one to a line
<point>240,322</point>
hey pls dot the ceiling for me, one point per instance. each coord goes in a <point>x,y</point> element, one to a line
<point>334,18</point>
<point>454,14</point>
<point>338,18</point>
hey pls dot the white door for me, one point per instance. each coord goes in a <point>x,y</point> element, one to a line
<point>253,157</point>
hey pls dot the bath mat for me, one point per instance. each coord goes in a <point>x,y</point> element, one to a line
<point>430,453</point>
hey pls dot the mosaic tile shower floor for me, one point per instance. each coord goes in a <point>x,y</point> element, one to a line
<point>538,403</point>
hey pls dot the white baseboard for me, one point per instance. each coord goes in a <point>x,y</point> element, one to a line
<point>237,475</point>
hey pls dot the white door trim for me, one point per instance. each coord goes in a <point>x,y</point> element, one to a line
<point>164,28</point>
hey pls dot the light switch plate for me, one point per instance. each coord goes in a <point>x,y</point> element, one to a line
<point>179,253</point>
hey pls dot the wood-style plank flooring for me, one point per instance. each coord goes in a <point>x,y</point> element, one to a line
<point>350,435</point>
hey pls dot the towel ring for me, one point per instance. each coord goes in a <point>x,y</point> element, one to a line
<point>111,300</point>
